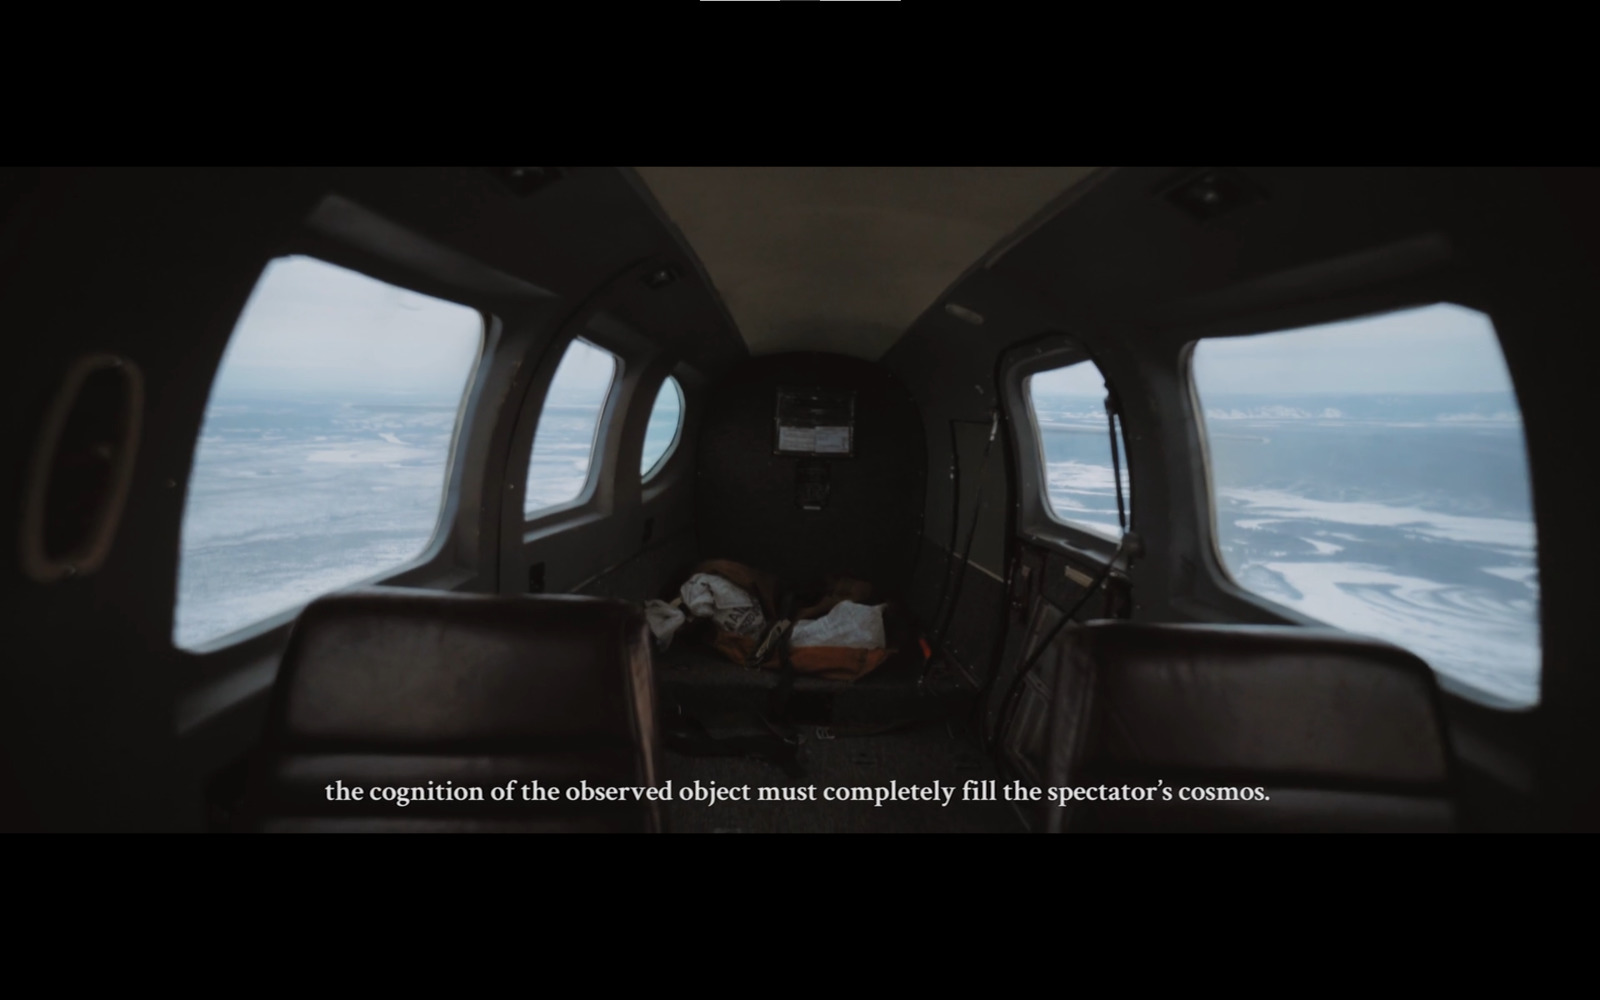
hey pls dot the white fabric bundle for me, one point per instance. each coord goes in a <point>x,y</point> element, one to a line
<point>850,625</point>
<point>706,595</point>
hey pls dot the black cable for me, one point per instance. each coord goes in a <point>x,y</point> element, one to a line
<point>1112,410</point>
<point>955,512</point>
<point>943,626</point>
<point>1128,541</point>
<point>997,644</point>
<point>997,647</point>
<point>1008,706</point>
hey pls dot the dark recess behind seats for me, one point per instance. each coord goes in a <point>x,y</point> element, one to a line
<point>745,494</point>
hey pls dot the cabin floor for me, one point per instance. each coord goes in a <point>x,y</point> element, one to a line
<point>919,756</point>
<point>710,688</point>
<point>729,726</point>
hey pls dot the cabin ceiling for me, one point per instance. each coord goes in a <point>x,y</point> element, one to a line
<point>844,259</point>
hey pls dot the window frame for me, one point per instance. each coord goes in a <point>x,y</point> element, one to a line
<point>1215,568</point>
<point>659,466</point>
<point>1210,551</point>
<point>436,550</point>
<point>1037,519</point>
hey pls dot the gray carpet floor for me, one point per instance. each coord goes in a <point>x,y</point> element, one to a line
<point>917,758</point>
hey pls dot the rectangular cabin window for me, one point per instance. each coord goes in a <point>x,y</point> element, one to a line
<point>324,448</point>
<point>559,470</point>
<point>1381,485</point>
<point>1069,413</point>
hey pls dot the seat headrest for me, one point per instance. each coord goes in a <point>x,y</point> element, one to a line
<point>1290,700</point>
<point>404,669</point>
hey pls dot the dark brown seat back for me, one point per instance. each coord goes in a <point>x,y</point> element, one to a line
<point>1278,728</point>
<point>396,688</point>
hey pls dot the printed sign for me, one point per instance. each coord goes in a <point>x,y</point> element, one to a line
<point>816,421</point>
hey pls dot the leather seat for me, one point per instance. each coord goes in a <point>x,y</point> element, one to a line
<point>1290,729</point>
<point>427,693</point>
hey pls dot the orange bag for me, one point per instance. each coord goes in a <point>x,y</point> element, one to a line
<point>834,663</point>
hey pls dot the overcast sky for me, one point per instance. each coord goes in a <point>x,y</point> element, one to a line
<point>313,326</point>
<point>1441,348</point>
<point>585,368</point>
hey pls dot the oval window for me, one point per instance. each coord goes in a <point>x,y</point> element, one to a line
<point>1372,474</point>
<point>325,446</point>
<point>666,420</point>
<point>561,465</point>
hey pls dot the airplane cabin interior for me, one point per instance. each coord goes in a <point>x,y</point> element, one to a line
<point>832,499</point>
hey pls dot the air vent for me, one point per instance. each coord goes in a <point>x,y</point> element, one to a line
<point>524,181</point>
<point>82,465</point>
<point>660,277</point>
<point>1213,192</point>
<point>964,314</point>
